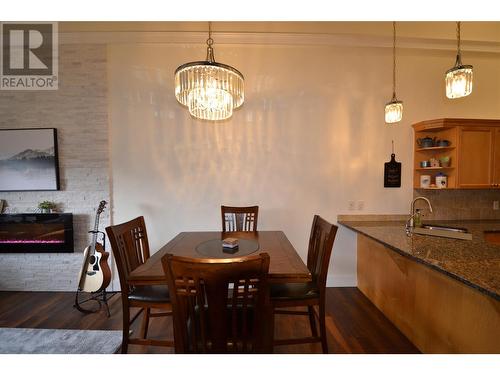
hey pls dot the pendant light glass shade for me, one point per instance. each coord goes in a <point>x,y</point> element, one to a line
<point>459,81</point>
<point>459,78</point>
<point>209,89</point>
<point>394,109</point>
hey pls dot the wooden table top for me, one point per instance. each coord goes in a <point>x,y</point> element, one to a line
<point>285,264</point>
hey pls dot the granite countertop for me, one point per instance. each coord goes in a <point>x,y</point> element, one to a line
<point>475,263</point>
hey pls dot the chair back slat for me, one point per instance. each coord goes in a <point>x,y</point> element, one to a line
<point>219,306</point>
<point>239,219</point>
<point>129,242</point>
<point>320,249</point>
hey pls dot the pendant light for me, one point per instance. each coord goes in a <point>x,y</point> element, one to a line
<point>393,109</point>
<point>209,89</point>
<point>459,78</point>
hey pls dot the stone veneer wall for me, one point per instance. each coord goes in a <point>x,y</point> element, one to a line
<point>460,204</point>
<point>79,112</point>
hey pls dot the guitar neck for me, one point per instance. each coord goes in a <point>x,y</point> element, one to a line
<point>94,234</point>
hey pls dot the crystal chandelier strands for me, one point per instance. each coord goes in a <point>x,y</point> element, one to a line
<point>393,109</point>
<point>209,89</point>
<point>459,78</point>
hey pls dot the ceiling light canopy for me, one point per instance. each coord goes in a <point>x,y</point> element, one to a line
<point>393,109</point>
<point>459,78</point>
<point>209,89</point>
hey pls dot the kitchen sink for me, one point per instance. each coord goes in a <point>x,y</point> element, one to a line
<point>443,231</point>
<point>440,227</point>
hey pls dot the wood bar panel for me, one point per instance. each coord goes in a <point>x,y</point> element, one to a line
<point>437,313</point>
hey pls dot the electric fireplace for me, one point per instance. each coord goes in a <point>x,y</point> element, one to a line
<point>36,233</point>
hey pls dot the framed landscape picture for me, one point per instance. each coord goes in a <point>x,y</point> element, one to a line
<point>28,159</point>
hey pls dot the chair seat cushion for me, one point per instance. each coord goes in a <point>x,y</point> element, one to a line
<point>150,293</point>
<point>293,291</point>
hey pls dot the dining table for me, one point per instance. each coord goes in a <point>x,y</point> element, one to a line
<point>286,266</point>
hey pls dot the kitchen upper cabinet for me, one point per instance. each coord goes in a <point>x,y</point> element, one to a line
<point>496,158</point>
<point>476,157</point>
<point>472,147</point>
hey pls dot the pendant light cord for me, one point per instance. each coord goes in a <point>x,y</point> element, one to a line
<point>394,60</point>
<point>210,41</point>
<point>458,61</point>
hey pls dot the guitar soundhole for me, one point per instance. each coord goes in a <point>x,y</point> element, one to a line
<point>92,259</point>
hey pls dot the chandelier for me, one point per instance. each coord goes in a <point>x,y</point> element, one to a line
<point>209,89</point>
<point>393,109</point>
<point>459,78</point>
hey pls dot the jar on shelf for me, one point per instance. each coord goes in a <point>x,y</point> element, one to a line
<point>425,181</point>
<point>441,181</point>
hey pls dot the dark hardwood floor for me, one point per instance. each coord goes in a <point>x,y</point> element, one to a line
<point>354,324</point>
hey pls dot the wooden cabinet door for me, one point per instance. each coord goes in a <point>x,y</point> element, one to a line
<point>496,158</point>
<point>476,157</point>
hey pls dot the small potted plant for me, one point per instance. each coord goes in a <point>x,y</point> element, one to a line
<point>46,207</point>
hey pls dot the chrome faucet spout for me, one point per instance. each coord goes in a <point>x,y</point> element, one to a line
<point>411,223</point>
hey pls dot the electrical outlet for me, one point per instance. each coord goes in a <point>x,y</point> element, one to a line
<point>361,205</point>
<point>351,205</point>
<point>496,205</point>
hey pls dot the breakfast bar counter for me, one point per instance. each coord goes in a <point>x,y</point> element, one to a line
<point>442,293</point>
<point>475,263</point>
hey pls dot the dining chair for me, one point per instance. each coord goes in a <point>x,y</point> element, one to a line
<point>129,242</point>
<point>220,305</point>
<point>239,219</point>
<point>309,294</point>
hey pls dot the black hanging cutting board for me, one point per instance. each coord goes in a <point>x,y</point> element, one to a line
<point>392,173</point>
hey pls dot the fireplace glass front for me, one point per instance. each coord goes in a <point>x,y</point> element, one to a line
<point>36,233</point>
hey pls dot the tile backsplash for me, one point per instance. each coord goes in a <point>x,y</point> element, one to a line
<point>460,204</point>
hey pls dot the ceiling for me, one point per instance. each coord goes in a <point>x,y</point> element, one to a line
<point>471,31</point>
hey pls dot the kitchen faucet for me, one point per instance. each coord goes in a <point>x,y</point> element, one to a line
<point>410,223</point>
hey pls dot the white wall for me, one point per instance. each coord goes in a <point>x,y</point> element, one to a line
<point>310,137</point>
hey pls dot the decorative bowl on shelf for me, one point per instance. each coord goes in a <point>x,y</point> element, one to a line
<point>426,142</point>
<point>443,143</point>
<point>445,161</point>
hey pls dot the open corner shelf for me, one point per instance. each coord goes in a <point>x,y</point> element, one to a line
<point>433,168</point>
<point>473,151</point>
<point>434,148</point>
<point>433,188</point>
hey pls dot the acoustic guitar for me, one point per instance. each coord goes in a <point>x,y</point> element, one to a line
<point>95,274</point>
